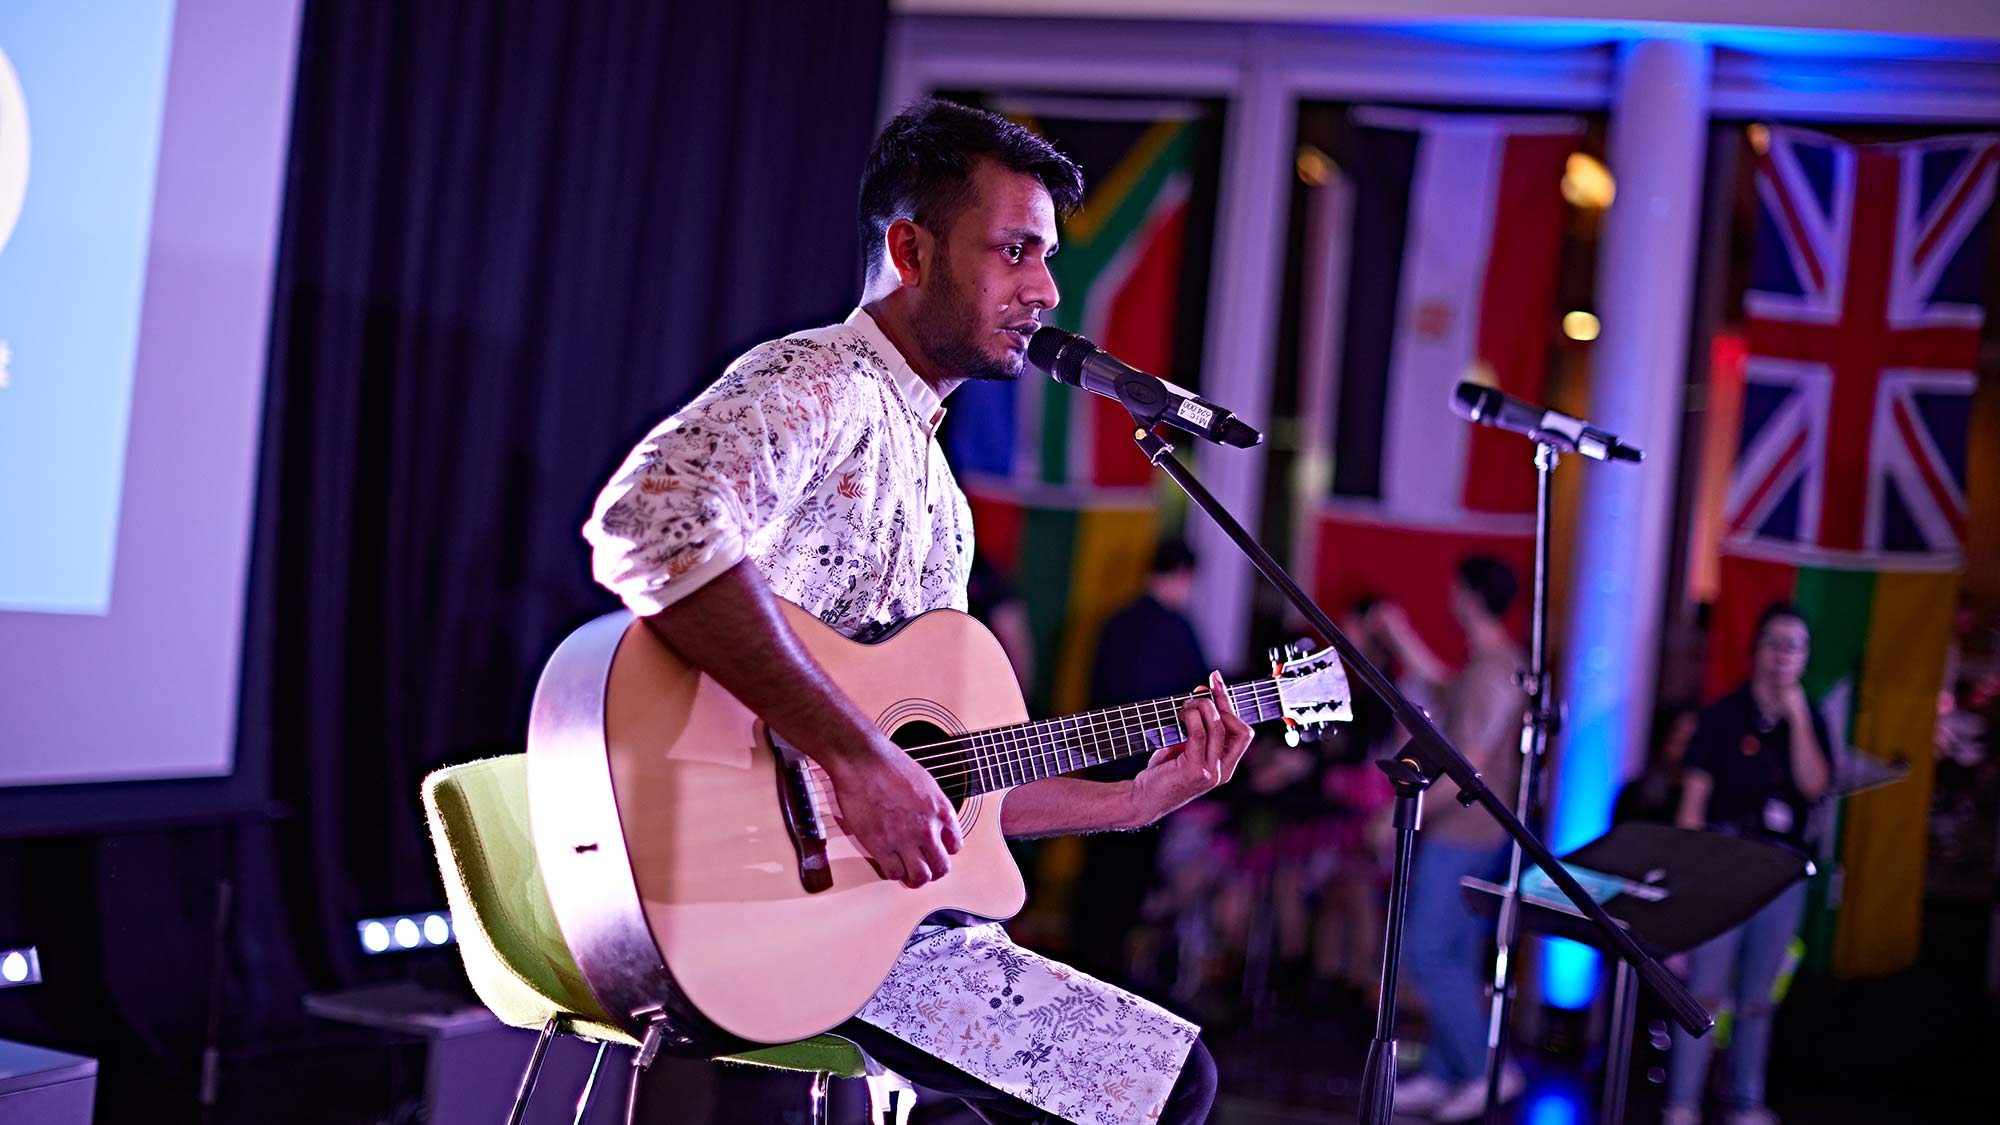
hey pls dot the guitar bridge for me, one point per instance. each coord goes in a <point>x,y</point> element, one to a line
<point>801,814</point>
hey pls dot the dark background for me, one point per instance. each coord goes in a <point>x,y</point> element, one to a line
<point>516,235</point>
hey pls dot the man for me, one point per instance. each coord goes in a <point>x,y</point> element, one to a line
<point>810,471</point>
<point>1482,707</point>
<point>1146,650</point>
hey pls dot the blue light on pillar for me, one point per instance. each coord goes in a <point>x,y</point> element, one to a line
<point>1552,1107</point>
<point>1645,282</point>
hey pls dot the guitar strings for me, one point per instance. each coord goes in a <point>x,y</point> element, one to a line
<point>1019,741</point>
<point>1172,703</point>
<point>1023,742</point>
<point>1131,720</point>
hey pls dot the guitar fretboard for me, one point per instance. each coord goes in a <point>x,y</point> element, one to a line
<point>1005,757</point>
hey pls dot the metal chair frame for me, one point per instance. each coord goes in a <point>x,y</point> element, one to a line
<point>890,1095</point>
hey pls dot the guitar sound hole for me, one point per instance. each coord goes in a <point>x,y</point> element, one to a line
<point>951,765</point>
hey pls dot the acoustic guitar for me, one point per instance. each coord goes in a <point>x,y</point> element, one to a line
<point>697,865</point>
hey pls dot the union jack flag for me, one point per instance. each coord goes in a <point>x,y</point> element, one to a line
<point>1863,324</point>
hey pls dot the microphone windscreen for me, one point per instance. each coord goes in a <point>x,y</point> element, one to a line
<point>1046,345</point>
<point>1473,402</point>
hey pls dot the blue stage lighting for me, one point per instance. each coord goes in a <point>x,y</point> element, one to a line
<point>1552,1107</point>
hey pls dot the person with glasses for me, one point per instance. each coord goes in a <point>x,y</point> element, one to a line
<point>1758,761</point>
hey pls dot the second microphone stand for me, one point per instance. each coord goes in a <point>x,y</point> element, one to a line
<point>1538,722</point>
<point>1428,755</point>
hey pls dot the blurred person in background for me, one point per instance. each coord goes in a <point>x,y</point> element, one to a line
<point>1145,651</point>
<point>1313,829</point>
<point>1347,930</point>
<point>1755,766</point>
<point>1654,797</point>
<point>993,600</point>
<point>1482,709</point>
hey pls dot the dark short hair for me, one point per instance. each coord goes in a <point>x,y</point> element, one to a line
<point>1773,612</point>
<point>1665,715</point>
<point>921,168</point>
<point>1491,581</point>
<point>1171,555</point>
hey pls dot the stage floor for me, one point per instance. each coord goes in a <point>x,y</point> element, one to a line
<point>1917,1048</point>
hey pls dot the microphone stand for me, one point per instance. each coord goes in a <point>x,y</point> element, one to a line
<point>1538,722</point>
<point>1427,756</point>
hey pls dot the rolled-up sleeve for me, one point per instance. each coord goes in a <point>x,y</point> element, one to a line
<point>686,503</point>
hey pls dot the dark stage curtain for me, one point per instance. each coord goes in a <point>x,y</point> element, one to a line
<point>516,234</point>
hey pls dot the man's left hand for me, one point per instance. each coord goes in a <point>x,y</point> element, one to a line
<point>1216,740</point>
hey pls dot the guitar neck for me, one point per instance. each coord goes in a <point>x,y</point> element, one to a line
<point>1005,757</point>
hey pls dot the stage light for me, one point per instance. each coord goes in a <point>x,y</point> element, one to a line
<point>406,931</point>
<point>1587,182</point>
<point>1579,325</point>
<point>1552,1107</point>
<point>21,966</point>
<point>1315,168</point>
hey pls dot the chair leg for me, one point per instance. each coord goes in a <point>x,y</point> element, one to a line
<point>632,1095</point>
<point>533,1072</point>
<point>819,1085</point>
<point>590,1084</point>
<point>890,1098</point>
<point>642,1060</point>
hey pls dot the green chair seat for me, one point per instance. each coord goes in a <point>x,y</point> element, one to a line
<point>514,952</point>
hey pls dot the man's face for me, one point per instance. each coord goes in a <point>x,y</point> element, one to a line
<point>990,282</point>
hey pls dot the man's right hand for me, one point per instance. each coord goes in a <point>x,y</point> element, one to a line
<point>732,629</point>
<point>896,811</point>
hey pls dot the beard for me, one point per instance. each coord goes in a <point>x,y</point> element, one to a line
<point>952,332</point>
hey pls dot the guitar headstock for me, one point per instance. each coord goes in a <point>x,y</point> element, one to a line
<point>1312,691</point>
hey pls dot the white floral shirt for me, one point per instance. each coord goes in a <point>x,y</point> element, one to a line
<point>816,457</point>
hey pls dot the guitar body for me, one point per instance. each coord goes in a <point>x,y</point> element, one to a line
<point>697,867</point>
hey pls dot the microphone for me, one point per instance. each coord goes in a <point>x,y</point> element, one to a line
<point>1475,402</point>
<point>1074,360</point>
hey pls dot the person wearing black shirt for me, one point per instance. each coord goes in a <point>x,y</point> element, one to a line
<point>1757,762</point>
<point>1146,650</point>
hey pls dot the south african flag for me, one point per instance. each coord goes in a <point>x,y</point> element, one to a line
<point>1061,498</point>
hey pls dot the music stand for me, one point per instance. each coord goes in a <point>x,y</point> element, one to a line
<point>1671,889</point>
